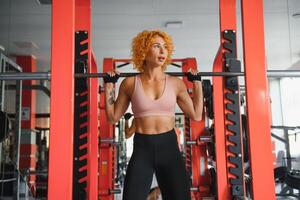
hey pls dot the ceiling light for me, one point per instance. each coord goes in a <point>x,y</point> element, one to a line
<point>174,24</point>
<point>2,48</point>
<point>44,2</point>
<point>26,45</point>
<point>296,15</point>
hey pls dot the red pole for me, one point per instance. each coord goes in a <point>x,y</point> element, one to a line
<point>62,101</point>
<point>106,159</point>
<point>199,165</point>
<point>258,101</point>
<point>92,184</point>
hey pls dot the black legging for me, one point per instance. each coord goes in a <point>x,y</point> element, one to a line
<point>157,154</point>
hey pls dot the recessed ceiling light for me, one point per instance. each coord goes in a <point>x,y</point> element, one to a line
<point>174,24</point>
<point>296,15</point>
<point>2,48</point>
<point>26,45</point>
<point>44,2</point>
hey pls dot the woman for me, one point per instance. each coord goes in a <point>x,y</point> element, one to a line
<point>153,95</point>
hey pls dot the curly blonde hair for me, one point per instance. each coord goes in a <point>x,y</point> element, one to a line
<point>141,44</point>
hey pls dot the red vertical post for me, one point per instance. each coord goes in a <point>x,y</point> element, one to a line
<point>83,15</point>
<point>83,23</point>
<point>200,174</point>
<point>106,150</point>
<point>28,145</point>
<point>28,64</point>
<point>92,184</point>
<point>258,101</point>
<point>61,101</point>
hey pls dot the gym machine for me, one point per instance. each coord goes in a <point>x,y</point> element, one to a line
<point>286,175</point>
<point>11,181</point>
<point>70,16</point>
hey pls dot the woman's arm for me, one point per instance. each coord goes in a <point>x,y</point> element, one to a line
<point>115,109</point>
<point>191,107</point>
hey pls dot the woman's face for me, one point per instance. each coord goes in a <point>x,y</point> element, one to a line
<point>157,53</point>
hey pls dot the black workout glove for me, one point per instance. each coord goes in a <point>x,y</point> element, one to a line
<point>127,116</point>
<point>111,79</point>
<point>192,77</point>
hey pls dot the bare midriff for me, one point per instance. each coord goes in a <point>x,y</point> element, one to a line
<point>154,124</point>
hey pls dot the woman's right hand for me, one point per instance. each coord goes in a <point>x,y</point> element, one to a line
<point>111,77</point>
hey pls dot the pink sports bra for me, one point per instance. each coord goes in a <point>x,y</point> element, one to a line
<point>143,106</point>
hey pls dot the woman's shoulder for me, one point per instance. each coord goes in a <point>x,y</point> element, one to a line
<point>177,83</point>
<point>128,84</point>
<point>128,80</point>
<point>175,80</point>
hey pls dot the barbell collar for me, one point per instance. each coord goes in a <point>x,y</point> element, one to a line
<point>194,189</point>
<point>115,191</point>
<point>106,141</point>
<point>109,141</point>
<point>191,142</point>
<point>206,138</point>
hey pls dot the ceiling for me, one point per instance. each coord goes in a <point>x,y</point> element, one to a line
<point>26,29</point>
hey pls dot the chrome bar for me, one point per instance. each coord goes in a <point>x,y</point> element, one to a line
<point>25,76</point>
<point>7,180</point>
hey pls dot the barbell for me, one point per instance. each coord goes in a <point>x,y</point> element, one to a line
<point>47,75</point>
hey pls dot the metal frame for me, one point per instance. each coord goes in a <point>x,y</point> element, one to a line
<point>93,137</point>
<point>196,153</point>
<point>285,140</point>
<point>62,99</point>
<point>257,108</point>
<point>80,117</point>
<point>286,191</point>
<point>106,150</point>
<point>28,147</point>
<point>9,65</point>
<point>25,76</point>
<point>32,87</point>
<point>227,11</point>
<point>18,137</point>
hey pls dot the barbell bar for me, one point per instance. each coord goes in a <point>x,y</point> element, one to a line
<point>270,73</point>
<point>47,75</point>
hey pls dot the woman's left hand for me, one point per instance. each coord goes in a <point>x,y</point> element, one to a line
<point>192,75</point>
